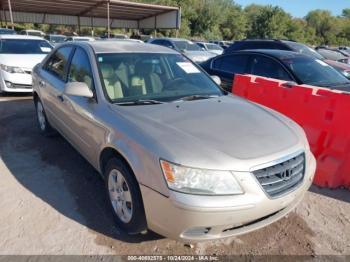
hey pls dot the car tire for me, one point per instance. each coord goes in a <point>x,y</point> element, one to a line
<point>124,197</point>
<point>44,125</point>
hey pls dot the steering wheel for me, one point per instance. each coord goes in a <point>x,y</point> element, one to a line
<point>174,83</point>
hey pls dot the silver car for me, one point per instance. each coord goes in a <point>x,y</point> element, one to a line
<point>179,155</point>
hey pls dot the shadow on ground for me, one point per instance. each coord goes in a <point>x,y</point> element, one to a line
<point>53,171</point>
<point>339,194</point>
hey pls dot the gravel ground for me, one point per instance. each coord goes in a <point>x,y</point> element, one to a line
<point>53,202</point>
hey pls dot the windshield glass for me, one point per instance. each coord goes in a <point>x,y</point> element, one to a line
<point>187,45</point>
<point>162,77</point>
<point>57,38</point>
<point>81,39</point>
<point>315,72</point>
<point>34,33</point>
<point>22,46</point>
<point>4,31</point>
<point>332,55</point>
<point>303,49</point>
<point>214,47</point>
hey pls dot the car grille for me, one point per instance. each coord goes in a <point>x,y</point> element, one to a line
<point>281,178</point>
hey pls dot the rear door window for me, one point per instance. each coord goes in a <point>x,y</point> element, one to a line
<point>57,64</point>
<point>234,64</point>
<point>267,67</point>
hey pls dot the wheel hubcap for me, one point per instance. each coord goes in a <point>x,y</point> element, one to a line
<point>41,116</point>
<point>120,196</point>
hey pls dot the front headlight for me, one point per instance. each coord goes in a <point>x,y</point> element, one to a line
<point>200,181</point>
<point>12,69</point>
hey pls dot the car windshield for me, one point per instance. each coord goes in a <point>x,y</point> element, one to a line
<point>187,46</point>
<point>214,47</point>
<point>331,55</point>
<point>303,49</point>
<point>24,46</point>
<point>157,77</point>
<point>81,39</point>
<point>4,31</point>
<point>34,33</point>
<point>57,38</point>
<point>315,72</point>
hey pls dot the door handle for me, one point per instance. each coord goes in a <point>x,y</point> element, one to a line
<point>42,83</point>
<point>60,97</point>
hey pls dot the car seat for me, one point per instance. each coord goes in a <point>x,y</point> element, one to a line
<point>145,81</point>
<point>112,83</point>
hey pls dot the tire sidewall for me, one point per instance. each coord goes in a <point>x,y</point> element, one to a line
<point>48,131</point>
<point>137,224</point>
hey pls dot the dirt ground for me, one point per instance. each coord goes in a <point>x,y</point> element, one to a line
<point>53,202</point>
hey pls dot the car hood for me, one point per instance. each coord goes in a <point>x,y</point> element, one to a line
<point>338,65</point>
<point>21,60</point>
<point>226,127</point>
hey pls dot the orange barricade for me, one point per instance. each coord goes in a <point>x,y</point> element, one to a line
<point>324,114</point>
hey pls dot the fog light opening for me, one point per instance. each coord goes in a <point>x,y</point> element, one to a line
<point>8,84</point>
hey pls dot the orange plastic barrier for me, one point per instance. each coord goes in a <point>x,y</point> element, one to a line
<point>324,115</point>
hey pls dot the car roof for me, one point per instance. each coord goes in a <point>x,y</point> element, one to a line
<point>101,46</point>
<point>279,54</point>
<point>265,40</point>
<point>21,37</point>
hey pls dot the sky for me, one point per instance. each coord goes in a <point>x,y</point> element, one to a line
<point>299,8</point>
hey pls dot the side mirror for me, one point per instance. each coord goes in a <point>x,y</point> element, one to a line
<point>216,79</point>
<point>78,89</point>
<point>289,84</point>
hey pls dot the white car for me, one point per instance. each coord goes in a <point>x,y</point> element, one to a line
<point>18,55</point>
<point>32,32</point>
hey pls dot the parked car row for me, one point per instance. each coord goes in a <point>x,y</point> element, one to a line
<point>279,59</point>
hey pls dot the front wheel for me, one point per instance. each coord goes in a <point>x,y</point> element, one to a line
<point>44,125</point>
<point>124,197</point>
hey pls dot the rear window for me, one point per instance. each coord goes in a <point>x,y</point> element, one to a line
<point>245,45</point>
<point>22,46</point>
<point>214,47</point>
<point>234,64</point>
<point>304,49</point>
<point>186,46</point>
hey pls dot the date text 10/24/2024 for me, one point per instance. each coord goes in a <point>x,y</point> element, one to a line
<point>173,258</point>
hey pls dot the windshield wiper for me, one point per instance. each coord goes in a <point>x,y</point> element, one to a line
<point>341,84</point>
<point>196,97</point>
<point>140,102</point>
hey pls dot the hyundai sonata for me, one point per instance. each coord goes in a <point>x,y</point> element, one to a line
<point>179,155</point>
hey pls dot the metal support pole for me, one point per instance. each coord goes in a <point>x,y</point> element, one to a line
<point>5,18</point>
<point>79,32</point>
<point>92,26</point>
<point>11,15</point>
<point>108,21</point>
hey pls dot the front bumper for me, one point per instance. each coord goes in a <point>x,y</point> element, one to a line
<point>21,83</point>
<point>196,218</point>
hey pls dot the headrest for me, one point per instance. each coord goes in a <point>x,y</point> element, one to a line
<point>107,71</point>
<point>143,68</point>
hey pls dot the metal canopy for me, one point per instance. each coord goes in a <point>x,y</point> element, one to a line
<point>115,13</point>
